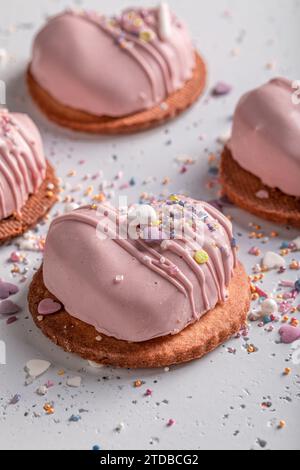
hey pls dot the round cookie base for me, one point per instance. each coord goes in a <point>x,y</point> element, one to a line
<point>81,121</point>
<point>212,330</point>
<point>242,187</point>
<point>37,207</point>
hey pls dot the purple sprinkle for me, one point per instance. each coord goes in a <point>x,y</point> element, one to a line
<point>171,423</point>
<point>11,320</point>
<point>7,307</point>
<point>48,307</point>
<point>15,399</point>
<point>7,289</point>
<point>221,89</point>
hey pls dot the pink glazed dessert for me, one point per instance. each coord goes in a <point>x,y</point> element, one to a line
<point>266,135</point>
<point>22,161</point>
<point>86,66</point>
<point>146,283</point>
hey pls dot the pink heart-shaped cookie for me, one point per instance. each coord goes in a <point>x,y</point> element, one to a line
<point>48,307</point>
<point>289,334</point>
<point>7,289</point>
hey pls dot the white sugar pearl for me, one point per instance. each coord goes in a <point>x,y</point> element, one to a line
<point>42,390</point>
<point>142,214</point>
<point>297,243</point>
<point>269,307</point>
<point>119,278</point>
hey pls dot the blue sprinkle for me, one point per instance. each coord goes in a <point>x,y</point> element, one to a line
<point>214,171</point>
<point>297,285</point>
<point>284,245</point>
<point>74,419</point>
<point>266,320</point>
<point>96,448</point>
<point>233,243</point>
<point>132,182</point>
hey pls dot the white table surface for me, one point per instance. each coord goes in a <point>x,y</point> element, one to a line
<point>216,401</point>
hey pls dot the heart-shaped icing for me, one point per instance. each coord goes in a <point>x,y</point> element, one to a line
<point>289,334</point>
<point>9,308</point>
<point>118,66</point>
<point>272,260</point>
<point>7,289</point>
<point>48,307</point>
<point>19,136</point>
<point>162,288</point>
<point>266,135</point>
<point>37,367</point>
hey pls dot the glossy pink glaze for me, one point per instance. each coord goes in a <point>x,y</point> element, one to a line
<point>266,136</point>
<point>22,161</point>
<point>132,289</point>
<point>104,66</point>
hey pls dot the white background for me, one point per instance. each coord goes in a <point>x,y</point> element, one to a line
<point>216,402</point>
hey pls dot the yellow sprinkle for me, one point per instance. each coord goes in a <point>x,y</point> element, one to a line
<point>201,257</point>
<point>99,197</point>
<point>174,198</point>
<point>255,296</point>
<point>89,190</point>
<point>155,223</point>
<point>61,372</point>
<point>282,424</point>
<point>287,371</point>
<point>146,36</point>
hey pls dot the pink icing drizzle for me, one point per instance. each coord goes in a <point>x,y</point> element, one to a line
<point>22,161</point>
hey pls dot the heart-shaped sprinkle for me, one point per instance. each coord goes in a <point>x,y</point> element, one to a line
<point>74,382</point>
<point>37,367</point>
<point>7,289</point>
<point>221,89</point>
<point>7,307</point>
<point>289,334</point>
<point>273,260</point>
<point>48,307</point>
